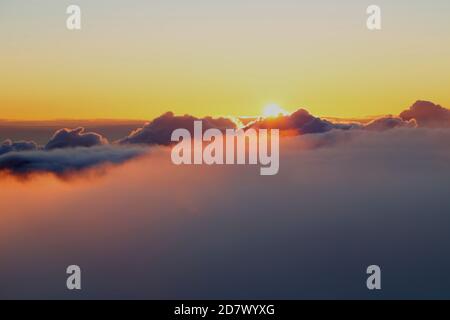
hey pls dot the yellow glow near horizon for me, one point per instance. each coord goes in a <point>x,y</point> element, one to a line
<point>273,110</point>
<point>219,58</point>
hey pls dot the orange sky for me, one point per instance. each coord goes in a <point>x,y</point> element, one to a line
<point>215,58</point>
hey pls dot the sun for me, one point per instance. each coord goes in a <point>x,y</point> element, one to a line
<point>273,110</point>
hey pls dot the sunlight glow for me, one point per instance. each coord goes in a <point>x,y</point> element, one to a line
<point>273,110</point>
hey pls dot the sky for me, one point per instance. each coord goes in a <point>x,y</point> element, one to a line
<point>139,59</point>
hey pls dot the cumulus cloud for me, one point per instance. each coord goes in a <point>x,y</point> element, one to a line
<point>9,146</point>
<point>159,130</point>
<point>427,114</point>
<point>64,161</point>
<point>298,123</point>
<point>67,138</point>
<point>389,122</point>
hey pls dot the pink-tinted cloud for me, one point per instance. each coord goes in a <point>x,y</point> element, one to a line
<point>427,114</point>
<point>389,122</point>
<point>298,123</point>
<point>150,229</point>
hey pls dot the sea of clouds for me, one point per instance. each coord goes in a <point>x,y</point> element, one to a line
<point>343,200</point>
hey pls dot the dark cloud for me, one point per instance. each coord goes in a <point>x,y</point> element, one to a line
<point>159,130</point>
<point>427,114</point>
<point>389,122</point>
<point>62,161</point>
<point>9,146</point>
<point>67,138</point>
<point>298,123</point>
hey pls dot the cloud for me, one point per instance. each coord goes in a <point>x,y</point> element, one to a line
<point>298,123</point>
<point>307,233</point>
<point>427,114</point>
<point>327,139</point>
<point>40,131</point>
<point>88,152</point>
<point>9,146</point>
<point>67,138</point>
<point>64,161</point>
<point>159,130</point>
<point>389,122</point>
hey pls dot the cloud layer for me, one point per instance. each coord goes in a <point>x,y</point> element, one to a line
<point>343,200</point>
<point>152,230</point>
<point>76,144</point>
